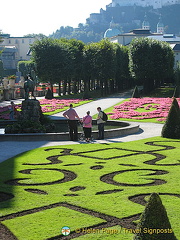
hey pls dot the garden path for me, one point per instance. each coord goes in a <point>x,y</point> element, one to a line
<point>11,148</point>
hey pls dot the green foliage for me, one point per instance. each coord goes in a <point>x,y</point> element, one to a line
<point>151,62</point>
<point>1,69</point>
<point>176,104</point>
<point>25,127</point>
<point>122,74</point>
<point>12,77</point>
<point>155,219</point>
<point>171,128</point>
<point>25,67</point>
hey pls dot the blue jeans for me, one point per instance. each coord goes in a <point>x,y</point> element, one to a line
<point>101,131</point>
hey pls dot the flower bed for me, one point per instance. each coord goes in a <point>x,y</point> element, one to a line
<point>51,105</point>
<point>48,106</point>
<point>143,108</point>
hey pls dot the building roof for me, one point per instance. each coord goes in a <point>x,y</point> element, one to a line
<point>175,47</point>
<point>166,38</point>
<point>111,32</point>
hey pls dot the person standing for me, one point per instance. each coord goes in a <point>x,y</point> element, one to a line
<point>87,126</point>
<point>100,124</point>
<point>72,117</point>
<point>12,110</point>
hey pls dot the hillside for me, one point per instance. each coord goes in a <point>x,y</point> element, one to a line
<point>126,19</point>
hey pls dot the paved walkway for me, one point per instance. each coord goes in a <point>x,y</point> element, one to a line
<point>9,148</point>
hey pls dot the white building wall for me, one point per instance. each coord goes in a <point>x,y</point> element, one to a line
<point>22,45</point>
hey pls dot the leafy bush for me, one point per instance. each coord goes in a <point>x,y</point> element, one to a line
<point>25,127</point>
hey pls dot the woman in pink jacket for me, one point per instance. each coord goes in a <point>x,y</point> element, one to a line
<point>87,126</point>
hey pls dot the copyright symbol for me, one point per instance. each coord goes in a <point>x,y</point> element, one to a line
<point>78,230</point>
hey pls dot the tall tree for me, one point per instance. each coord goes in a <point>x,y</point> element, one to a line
<point>151,61</point>
<point>50,57</point>
<point>106,57</point>
<point>122,77</point>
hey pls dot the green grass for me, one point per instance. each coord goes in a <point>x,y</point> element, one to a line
<point>74,187</point>
<point>162,92</point>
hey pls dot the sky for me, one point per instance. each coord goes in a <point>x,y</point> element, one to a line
<point>20,17</point>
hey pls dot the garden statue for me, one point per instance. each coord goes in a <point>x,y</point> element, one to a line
<point>29,87</point>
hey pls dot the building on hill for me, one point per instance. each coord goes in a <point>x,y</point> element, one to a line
<point>126,38</point>
<point>129,14</point>
<point>112,31</point>
<point>144,3</point>
<point>145,24</point>
<point>160,26</point>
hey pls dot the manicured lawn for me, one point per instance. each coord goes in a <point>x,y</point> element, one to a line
<point>92,189</point>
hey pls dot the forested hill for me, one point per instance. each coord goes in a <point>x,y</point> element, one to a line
<point>126,19</point>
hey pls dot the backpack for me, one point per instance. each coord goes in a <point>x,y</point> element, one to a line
<point>104,117</point>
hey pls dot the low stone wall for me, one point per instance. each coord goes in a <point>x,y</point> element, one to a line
<point>125,129</point>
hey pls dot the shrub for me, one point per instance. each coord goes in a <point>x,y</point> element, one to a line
<point>155,219</point>
<point>171,128</point>
<point>25,126</point>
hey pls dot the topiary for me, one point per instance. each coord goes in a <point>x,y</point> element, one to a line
<point>154,223</point>
<point>175,103</point>
<point>176,92</point>
<point>136,93</point>
<point>49,94</point>
<point>172,124</point>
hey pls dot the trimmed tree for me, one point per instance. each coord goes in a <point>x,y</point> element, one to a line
<point>176,104</point>
<point>136,93</point>
<point>171,128</point>
<point>154,223</point>
<point>49,94</point>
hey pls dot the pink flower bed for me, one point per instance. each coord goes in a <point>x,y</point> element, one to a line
<point>50,105</point>
<point>143,108</point>
<point>46,106</point>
